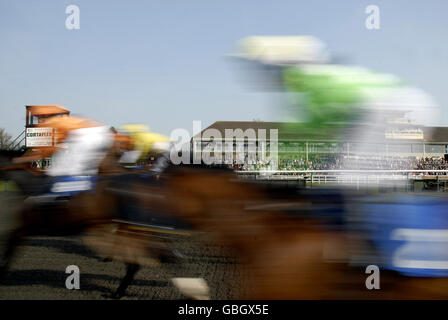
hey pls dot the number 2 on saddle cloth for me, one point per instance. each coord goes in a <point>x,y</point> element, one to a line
<point>410,232</point>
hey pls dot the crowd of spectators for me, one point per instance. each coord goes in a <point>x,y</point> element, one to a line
<point>432,164</point>
<point>340,162</point>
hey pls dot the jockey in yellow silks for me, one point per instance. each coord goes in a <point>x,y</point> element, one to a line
<point>146,145</point>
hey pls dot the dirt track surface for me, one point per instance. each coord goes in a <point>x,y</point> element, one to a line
<point>38,269</point>
<point>38,272</point>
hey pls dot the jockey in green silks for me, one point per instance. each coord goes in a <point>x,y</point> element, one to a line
<point>329,100</point>
<point>330,97</point>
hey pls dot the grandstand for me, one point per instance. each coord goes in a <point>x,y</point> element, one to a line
<point>407,152</point>
<point>410,141</point>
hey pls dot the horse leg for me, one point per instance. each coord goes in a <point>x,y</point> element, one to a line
<point>11,246</point>
<point>131,270</point>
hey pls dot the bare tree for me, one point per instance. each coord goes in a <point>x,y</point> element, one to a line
<point>5,139</point>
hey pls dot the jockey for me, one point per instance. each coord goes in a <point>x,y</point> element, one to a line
<point>85,143</point>
<point>80,146</point>
<point>330,101</point>
<point>146,146</point>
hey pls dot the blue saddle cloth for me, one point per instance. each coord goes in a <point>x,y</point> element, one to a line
<point>410,232</point>
<point>131,211</point>
<point>68,186</point>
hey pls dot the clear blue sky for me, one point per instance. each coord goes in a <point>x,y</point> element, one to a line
<point>163,63</point>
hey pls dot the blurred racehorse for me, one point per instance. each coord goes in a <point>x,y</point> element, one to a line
<point>299,244</point>
<point>100,214</point>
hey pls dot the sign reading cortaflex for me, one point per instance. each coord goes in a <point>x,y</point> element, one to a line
<point>39,137</point>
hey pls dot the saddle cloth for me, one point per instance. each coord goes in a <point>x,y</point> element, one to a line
<point>410,232</point>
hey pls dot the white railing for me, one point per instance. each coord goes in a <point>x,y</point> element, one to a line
<point>358,177</point>
<point>339,171</point>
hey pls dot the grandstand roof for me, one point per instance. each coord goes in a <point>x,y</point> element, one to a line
<point>431,134</point>
<point>286,130</point>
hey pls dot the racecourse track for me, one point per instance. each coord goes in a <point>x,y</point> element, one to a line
<point>38,271</point>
